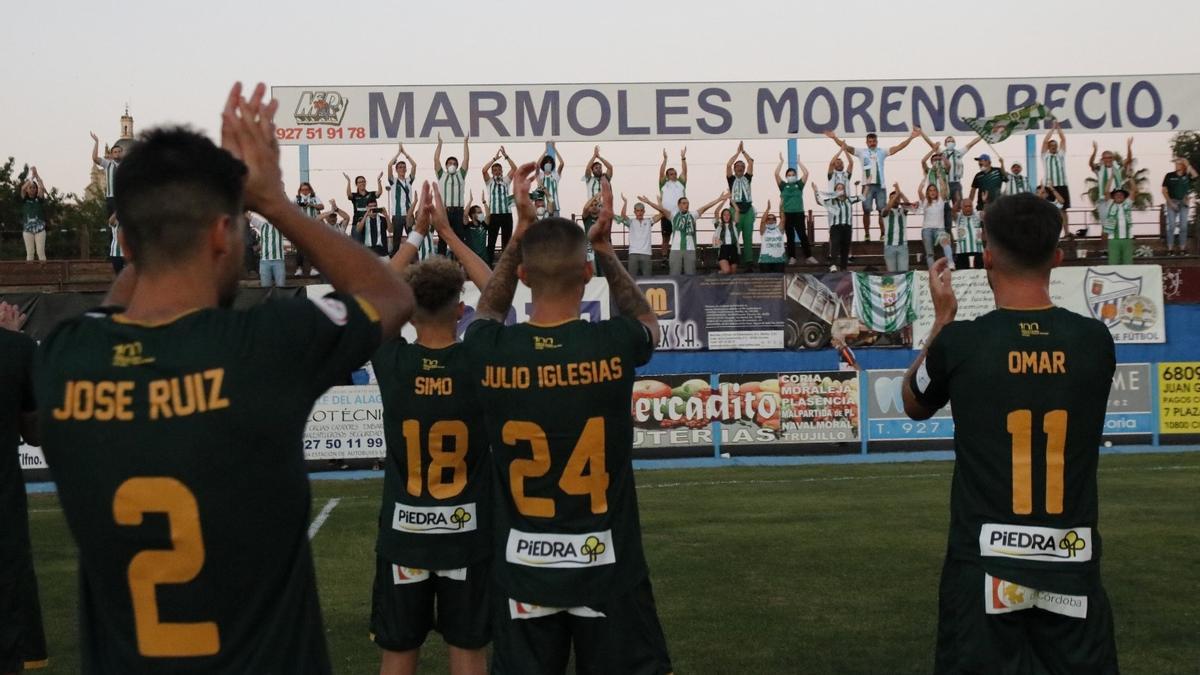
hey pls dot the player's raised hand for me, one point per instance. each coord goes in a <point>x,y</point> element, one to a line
<point>945,303</point>
<point>248,132</point>
<point>11,317</point>
<point>421,217</point>
<point>522,183</point>
<point>436,217</point>
<point>601,232</point>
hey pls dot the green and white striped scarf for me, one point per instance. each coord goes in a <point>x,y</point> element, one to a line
<point>884,302</point>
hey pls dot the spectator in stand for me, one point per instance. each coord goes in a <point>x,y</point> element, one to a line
<point>671,188</point>
<point>1118,229</point>
<point>791,206</point>
<point>360,197</point>
<point>936,168</point>
<point>401,184</point>
<point>311,205</point>
<point>1110,175</point>
<point>895,237</point>
<point>452,179</point>
<point>873,158</point>
<point>478,225</point>
<point>271,271</point>
<point>1051,195</point>
<point>725,238</point>
<point>116,254</point>
<point>968,238</point>
<point>109,163</point>
<point>682,258</point>
<point>498,186</point>
<point>952,156</point>
<point>838,171</point>
<point>1054,165</point>
<point>738,175</point>
<point>987,184</point>
<point>772,251</point>
<point>549,177</point>
<point>1177,192</point>
<point>33,216</point>
<point>933,228</point>
<point>587,217</point>
<point>1017,182</point>
<point>640,262</point>
<point>372,229</point>
<point>337,218</point>
<point>542,207</point>
<point>838,207</point>
<point>597,170</point>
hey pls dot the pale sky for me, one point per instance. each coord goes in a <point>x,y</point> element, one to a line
<point>72,65</point>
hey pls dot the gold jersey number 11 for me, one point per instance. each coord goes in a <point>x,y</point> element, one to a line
<point>1020,427</point>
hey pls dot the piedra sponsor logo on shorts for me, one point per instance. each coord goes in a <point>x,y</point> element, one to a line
<point>1002,597</point>
<point>560,551</point>
<point>1036,543</point>
<point>434,519</point>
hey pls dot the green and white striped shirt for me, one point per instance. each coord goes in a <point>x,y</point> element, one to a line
<point>550,188</point>
<point>1055,165</point>
<point>955,157</point>
<point>895,223</point>
<point>500,191</point>
<point>836,177</point>
<point>683,231</point>
<point>426,249</point>
<point>593,185</point>
<point>374,231</point>
<point>401,195</point>
<point>1109,178</point>
<point>839,210</point>
<point>1120,220</point>
<point>967,234</point>
<point>110,176</point>
<point>271,241</point>
<point>114,246</point>
<point>308,204</point>
<point>1016,184</point>
<point>452,184</point>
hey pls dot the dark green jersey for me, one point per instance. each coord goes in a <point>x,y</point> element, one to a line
<point>556,400</point>
<point>176,449</point>
<point>1029,390</point>
<point>437,476</point>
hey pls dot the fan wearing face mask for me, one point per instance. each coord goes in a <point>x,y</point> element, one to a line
<point>452,179</point>
<point>791,195</point>
<point>838,207</point>
<point>548,177</point>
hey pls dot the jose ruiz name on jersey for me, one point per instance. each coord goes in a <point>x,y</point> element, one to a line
<point>576,374</point>
<point>108,400</point>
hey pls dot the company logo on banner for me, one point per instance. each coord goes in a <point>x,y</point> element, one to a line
<point>1127,298</point>
<point>599,112</point>
<point>663,297</point>
<point>778,413</point>
<point>886,419</point>
<point>717,312</point>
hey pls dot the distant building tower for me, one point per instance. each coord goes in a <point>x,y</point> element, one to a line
<point>126,139</point>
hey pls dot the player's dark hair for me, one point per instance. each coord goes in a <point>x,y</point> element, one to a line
<point>553,251</point>
<point>1023,229</point>
<point>437,284</point>
<point>171,186</point>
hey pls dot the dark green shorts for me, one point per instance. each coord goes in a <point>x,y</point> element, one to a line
<point>1061,634</point>
<point>627,639</point>
<point>403,611</point>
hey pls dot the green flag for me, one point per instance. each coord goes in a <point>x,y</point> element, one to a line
<point>999,127</point>
<point>884,302</point>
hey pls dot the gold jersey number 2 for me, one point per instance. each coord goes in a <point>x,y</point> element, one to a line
<point>1020,427</point>
<point>178,565</point>
<point>588,455</point>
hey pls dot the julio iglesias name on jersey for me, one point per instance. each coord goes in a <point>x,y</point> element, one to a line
<point>107,400</point>
<point>580,373</point>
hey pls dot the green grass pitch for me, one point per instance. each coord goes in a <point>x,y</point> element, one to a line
<point>807,569</point>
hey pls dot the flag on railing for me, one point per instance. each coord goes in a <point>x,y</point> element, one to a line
<point>884,302</point>
<point>999,127</point>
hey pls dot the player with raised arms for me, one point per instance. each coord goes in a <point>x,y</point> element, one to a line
<point>555,390</point>
<point>1028,384</point>
<point>434,545</point>
<point>173,425</point>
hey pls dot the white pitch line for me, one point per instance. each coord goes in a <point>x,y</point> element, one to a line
<point>322,517</point>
